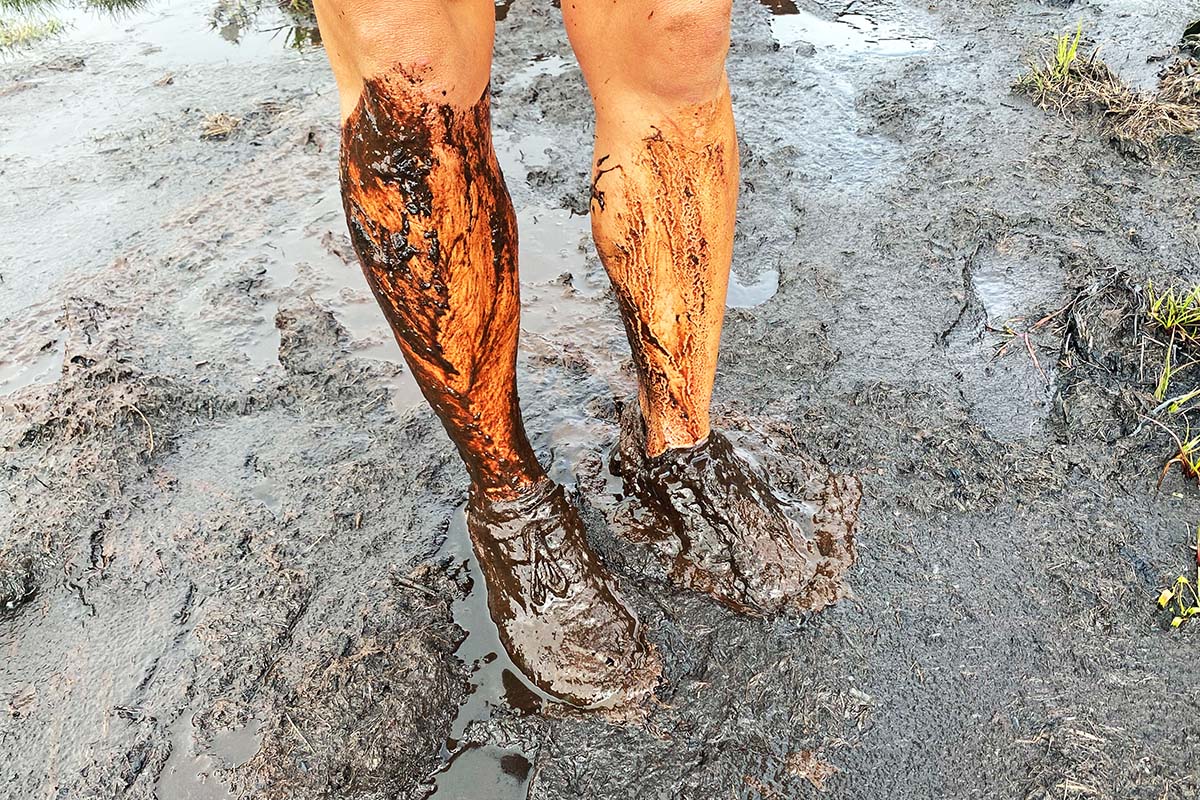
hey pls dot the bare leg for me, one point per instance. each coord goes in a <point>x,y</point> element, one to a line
<point>433,225</point>
<point>664,196</point>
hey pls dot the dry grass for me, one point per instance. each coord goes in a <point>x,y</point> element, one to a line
<point>219,126</point>
<point>1071,80</point>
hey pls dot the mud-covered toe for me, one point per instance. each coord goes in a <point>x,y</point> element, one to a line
<point>557,608</point>
<point>719,528</point>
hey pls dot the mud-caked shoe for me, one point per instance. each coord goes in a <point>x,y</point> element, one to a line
<point>557,608</point>
<point>718,527</point>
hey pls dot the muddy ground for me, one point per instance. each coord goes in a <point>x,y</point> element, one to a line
<point>232,559</point>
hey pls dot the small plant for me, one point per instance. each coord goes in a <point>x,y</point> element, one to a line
<point>1175,312</point>
<point>1050,80</point>
<point>1182,596</point>
<point>1187,455</point>
<point>1066,51</point>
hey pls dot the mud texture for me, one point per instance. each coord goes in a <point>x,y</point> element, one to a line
<point>226,539</point>
<point>721,529</point>
<point>558,610</point>
<point>433,225</point>
<point>663,226</point>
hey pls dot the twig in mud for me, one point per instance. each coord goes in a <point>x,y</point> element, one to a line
<point>1034,327</point>
<point>1187,455</point>
<point>425,590</point>
<point>149,427</point>
<point>299,733</point>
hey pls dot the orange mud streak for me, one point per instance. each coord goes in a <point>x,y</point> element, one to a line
<point>434,228</point>
<point>663,223</point>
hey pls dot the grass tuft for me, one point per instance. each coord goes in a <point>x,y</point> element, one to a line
<point>19,33</point>
<point>1175,313</point>
<point>1141,122</point>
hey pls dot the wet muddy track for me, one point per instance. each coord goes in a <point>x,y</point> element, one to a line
<point>230,543</point>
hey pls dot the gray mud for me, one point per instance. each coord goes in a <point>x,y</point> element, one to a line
<point>229,565</point>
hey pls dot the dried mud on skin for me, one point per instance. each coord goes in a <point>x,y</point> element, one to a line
<point>657,218</point>
<point>1002,640</point>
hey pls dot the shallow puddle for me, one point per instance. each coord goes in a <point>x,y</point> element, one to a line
<point>484,773</point>
<point>1013,281</point>
<point>854,30</point>
<point>470,770</point>
<point>187,775</point>
<point>35,351</point>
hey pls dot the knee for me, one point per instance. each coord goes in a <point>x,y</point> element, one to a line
<point>443,48</point>
<point>680,46</point>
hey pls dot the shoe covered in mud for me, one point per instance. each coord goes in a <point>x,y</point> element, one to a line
<point>557,608</point>
<point>719,528</point>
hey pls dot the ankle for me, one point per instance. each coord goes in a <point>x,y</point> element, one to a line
<point>666,432</point>
<point>509,502</point>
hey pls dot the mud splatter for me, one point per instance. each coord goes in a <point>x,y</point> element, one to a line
<point>434,228</point>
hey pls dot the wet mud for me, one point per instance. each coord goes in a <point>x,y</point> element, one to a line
<point>432,222</point>
<point>232,537</point>
<point>558,610</point>
<point>720,528</point>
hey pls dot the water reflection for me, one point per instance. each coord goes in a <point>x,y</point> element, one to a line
<point>877,28</point>
<point>233,20</point>
<point>781,6</point>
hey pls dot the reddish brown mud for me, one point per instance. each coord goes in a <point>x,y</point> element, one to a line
<point>557,608</point>
<point>721,529</point>
<point>663,225</point>
<point>433,226</point>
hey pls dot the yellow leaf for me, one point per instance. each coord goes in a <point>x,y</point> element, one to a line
<point>1175,623</point>
<point>1165,598</point>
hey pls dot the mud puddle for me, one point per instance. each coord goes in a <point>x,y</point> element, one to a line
<point>36,351</point>
<point>856,30</point>
<point>188,773</point>
<point>473,770</point>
